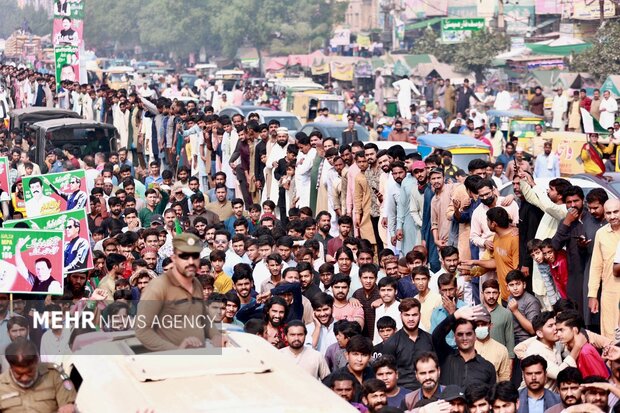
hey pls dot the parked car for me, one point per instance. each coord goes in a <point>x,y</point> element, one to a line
<point>22,118</point>
<point>610,181</point>
<point>87,135</point>
<point>334,130</point>
<point>408,147</point>
<point>586,184</point>
<point>286,119</point>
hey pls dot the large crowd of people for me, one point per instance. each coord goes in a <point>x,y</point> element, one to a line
<point>403,283</point>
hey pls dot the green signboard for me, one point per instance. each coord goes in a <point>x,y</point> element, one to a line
<point>457,25</point>
<point>457,30</point>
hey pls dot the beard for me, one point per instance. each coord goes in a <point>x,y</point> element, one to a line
<point>275,323</point>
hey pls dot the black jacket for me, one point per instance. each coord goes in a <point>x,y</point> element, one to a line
<point>454,369</point>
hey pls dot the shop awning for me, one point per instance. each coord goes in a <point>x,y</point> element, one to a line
<point>423,24</point>
<point>566,50</point>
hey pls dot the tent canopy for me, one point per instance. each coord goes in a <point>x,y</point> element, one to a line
<point>612,83</point>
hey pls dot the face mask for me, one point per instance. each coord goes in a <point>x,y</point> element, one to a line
<point>488,201</point>
<point>482,332</point>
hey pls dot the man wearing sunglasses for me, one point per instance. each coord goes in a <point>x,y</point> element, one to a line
<point>76,199</point>
<point>171,311</point>
<point>76,248</point>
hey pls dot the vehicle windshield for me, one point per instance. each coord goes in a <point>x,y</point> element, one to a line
<point>289,122</point>
<point>336,107</point>
<point>462,160</point>
<point>522,129</point>
<point>117,77</point>
<point>228,84</point>
<point>89,141</point>
<point>336,132</point>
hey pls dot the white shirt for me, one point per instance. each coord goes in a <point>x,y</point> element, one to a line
<point>310,360</point>
<point>232,259</point>
<point>391,311</point>
<point>326,337</point>
<point>53,347</point>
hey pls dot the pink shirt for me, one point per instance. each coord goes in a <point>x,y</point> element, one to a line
<point>348,312</point>
<point>590,362</point>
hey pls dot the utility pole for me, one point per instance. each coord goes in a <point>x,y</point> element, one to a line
<point>501,24</point>
<point>601,5</point>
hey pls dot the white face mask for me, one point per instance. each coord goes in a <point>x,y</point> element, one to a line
<point>482,332</point>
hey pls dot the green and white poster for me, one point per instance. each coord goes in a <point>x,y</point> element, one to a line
<point>52,193</point>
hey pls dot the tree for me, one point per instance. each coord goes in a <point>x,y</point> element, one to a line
<point>12,18</point>
<point>603,58</point>
<point>111,23</point>
<point>182,28</point>
<point>280,26</point>
<point>430,43</point>
<point>477,52</point>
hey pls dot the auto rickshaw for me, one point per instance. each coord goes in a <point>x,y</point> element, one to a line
<point>521,123</point>
<point>463,148</point>
<point>118,77</point>
<point>306,105</point>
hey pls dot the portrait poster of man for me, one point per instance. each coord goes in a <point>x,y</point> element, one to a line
<point>67,32</point>
<point>31,261</point>
<point>53,193</point>
<point>69,8</point>
<point>74,225</point>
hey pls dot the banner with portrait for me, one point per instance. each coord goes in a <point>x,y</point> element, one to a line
<point>69,8</point>
<point>67,32</point>
<point>53,193</point>
<point>31,261</point>
<point>78,255</point>
<point>67,38</point>
<point>67,62</point>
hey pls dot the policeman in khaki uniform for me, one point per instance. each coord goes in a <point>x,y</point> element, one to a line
<point>175,295</point>
<point>31,386</point>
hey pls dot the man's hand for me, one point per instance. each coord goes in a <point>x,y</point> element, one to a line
<point>507,200</point>
<point>582,242</point>
<point>67,408</point>
<point>571,216</point>
<point>99,295</point>
<point>469,313</point>
<point>457,204</point>
<point>377,303</point>
<point>441,243</point>
<point>513,306</point>
<point>448,304</point>
<point>488,244</point>
<point>611,352</point>
<point>191,342</point>
<point>440,406</point>
<point>384,222</point>
<point>580,341</point>
<point>399,234</point>
<point>525,270</point>
<point>593,305</point>
<point>355,302</point>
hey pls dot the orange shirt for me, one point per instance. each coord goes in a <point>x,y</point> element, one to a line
<point>506,255</point>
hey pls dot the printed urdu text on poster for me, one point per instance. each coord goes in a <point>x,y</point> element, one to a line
<point>78,255</point>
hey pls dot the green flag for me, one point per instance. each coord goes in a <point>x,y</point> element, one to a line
<point>177,226</point>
